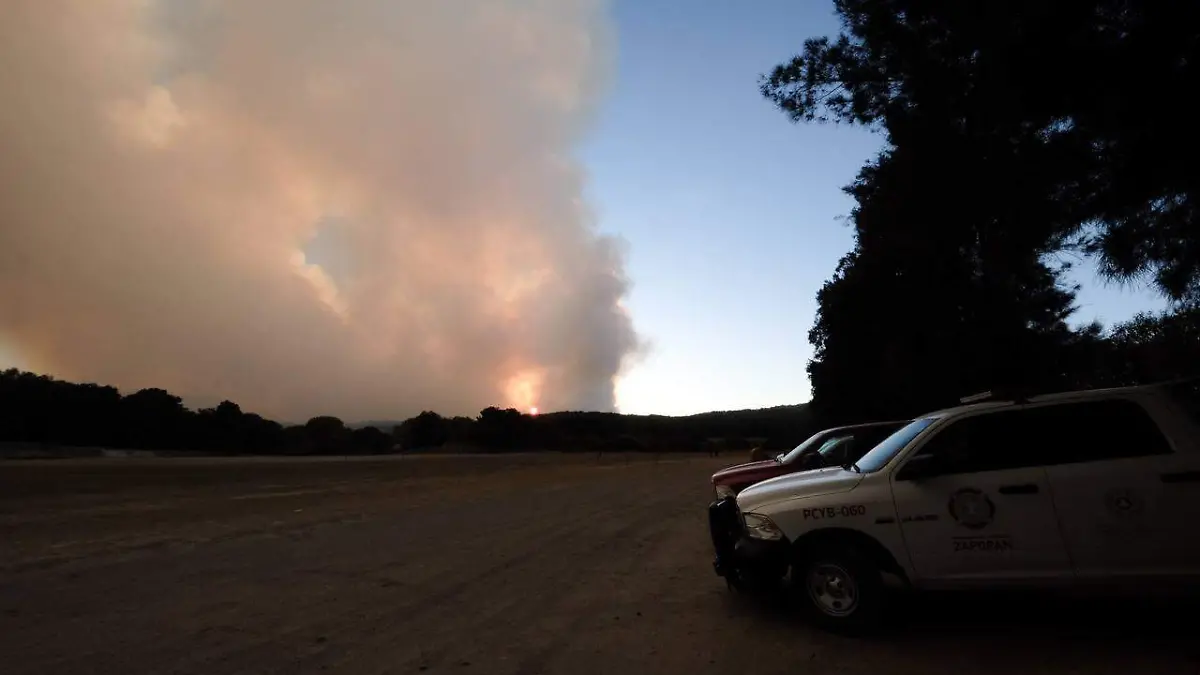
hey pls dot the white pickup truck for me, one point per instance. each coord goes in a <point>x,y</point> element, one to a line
<point>1100,485</point>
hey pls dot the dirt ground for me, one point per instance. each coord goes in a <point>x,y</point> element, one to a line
<point>496,565</point>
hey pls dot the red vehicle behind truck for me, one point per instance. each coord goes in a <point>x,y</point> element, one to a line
<point>832,447</point>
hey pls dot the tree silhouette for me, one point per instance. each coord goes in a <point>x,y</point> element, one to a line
<point>499,429</point>
<point>1011,142</point>
<point>370,441</point>
<point>327,434</point>
<point>1041,108</point>
<point>426,430</point>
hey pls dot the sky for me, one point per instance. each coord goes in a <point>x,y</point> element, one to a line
<point>732,214</point>
<point>373,208</point>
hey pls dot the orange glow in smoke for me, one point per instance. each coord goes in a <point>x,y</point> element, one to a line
<point>523,389</point>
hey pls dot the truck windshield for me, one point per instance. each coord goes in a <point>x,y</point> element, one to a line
<point>809,443</point>
<point>878,456</point>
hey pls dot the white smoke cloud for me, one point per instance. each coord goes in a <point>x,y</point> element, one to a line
<point>167,165</point>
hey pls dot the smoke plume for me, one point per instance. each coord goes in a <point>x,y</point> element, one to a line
<point>362,208</point>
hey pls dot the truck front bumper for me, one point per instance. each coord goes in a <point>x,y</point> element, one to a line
<point>743,561</point>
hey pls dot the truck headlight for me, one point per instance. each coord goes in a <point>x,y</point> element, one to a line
<point>723,491</point>
<point>759,526</point>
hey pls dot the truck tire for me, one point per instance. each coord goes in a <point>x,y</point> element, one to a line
<point>840,588</point>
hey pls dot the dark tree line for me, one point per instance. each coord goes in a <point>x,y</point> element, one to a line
<point>1022,137</point>
<point>501,430</point>
<point>51,414</point>
<point>41,410</point>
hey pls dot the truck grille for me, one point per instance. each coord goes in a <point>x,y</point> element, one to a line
<point>725,524</point>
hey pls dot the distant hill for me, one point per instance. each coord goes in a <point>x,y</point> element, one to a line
<point>757,414</point>
<point>777,427</point>
<point>382,425</point>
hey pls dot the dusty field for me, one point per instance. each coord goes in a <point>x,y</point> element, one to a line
<point>518,565</point>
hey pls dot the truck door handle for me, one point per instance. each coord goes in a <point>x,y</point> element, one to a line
<point>1022,489</point>
<point>1182,477</point>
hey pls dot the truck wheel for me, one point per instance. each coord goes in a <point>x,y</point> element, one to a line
<point>842,589</point>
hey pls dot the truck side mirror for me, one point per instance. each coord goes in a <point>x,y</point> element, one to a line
<point>919,467</point>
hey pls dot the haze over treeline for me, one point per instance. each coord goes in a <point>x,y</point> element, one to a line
<point>353,208</point>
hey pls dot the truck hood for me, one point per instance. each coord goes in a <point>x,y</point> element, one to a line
<point>813,483</point>
<point>741,473</point>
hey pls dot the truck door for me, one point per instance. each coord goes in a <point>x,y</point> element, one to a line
<point>975,504</point>
<point>1116,483</point>
<point>1180,473</point>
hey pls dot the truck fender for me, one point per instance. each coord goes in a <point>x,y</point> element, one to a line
<point>869,546</point>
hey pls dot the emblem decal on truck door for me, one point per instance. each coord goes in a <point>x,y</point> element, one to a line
<point>971,508</point>
<point>1123,503</point>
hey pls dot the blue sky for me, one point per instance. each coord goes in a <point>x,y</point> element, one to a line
<point>732,213</point>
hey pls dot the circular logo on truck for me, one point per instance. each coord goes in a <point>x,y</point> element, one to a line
<point>1124,503</point>
<point>971,508</point>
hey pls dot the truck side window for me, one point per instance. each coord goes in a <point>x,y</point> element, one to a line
<point>1094,431</point>
<point>988,442</point>
<point>1186,395</point>
<point>1067,433</point>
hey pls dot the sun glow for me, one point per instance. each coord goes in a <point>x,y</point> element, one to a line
<point>533,411</point>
